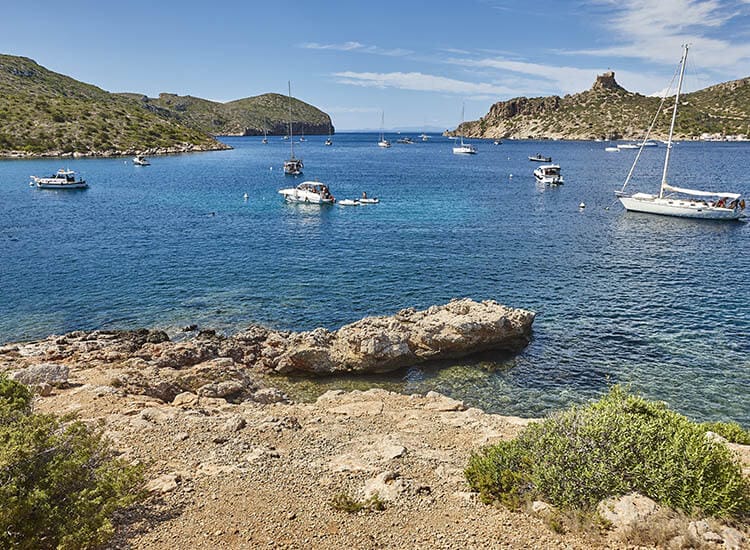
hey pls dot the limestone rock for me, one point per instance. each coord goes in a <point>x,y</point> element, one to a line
<point>235,424</point>
<point>43,373</point>
<point>387,485</point>
<point>270,395</point>
<point>733,539</point>
<point>163,484</point>
<point>627,510</point>
<point>382,344</point>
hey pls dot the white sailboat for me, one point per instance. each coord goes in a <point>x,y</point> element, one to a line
<point>265,134</point>
<point>681,201</point>
<point>383,142</point>
<point>464,148</point>
<point>293,166</point>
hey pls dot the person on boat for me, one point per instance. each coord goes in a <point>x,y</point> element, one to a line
<point>364,194</point>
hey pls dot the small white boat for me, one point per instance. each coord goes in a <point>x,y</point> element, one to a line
<point>464,148</point>
<point>309,192</point>
<point>539,158</point>
<point>424,137</point>
<point>612,149</point>
<point>329,141</point>
<point>628,146</point>
<point>140,160</point>
<point>292,166</point>
<point>62,179</point>
<point>373,200</point>
<point>348,202</point>
<point>549,173</point>
<point>384,143</point>
<point>406,140</point>
<point>497,142</point>
<point>679,201</point>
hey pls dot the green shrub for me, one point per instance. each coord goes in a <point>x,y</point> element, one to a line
<point>345,503</point>
<point>619,444</point>
<point>60,481</point>
<point>731,431</point>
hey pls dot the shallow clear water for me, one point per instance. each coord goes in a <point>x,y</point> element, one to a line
<point>659,303</point>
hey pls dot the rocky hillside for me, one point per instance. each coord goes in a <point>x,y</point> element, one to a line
<point>242,117</point>
<point>46,113</point>
<point>609,111</point>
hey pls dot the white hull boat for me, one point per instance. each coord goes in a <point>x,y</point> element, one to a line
<point>308,192</point>
<point>549,174</point>
<point>612,149</point>
<point>62,179</point>
<point>679,201</point>
<point>140,160</point>
<point>384,143</point>
<point>464,148</point>
<point>292,166</point>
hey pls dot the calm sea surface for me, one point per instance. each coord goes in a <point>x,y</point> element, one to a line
<point>659,303</point>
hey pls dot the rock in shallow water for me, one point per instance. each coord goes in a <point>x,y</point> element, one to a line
<point>383,344</point>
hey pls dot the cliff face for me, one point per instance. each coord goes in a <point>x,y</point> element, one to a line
<point>609,111</point>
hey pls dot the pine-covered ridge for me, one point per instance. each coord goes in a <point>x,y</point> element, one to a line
<point>44,113</point>
<point>609,111</point>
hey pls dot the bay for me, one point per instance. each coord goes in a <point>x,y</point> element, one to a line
<point>654,302</point>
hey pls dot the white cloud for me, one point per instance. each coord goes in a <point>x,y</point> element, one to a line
<point>655,31</point>
<point>419,82</point>
<point>354,46</point>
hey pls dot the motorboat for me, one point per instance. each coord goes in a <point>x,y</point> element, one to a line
<point>549,173</point>
<point>406,140</point>
<point>539,158</point>
<point>628,146</point>
<point>680,201</point>
<point>140,160</point>
<point>62,179</point>
<point>424,137</point>
<point>292,166</point>
<point>497,142</point>
<point>329,141</point>
<point>612,149</point>
<point>372,200</point>
<point>348,202</point>
<point>309,192</point>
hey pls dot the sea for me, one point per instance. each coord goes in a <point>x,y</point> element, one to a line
<point>655,303</point>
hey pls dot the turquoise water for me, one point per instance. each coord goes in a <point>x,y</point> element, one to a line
<point>656,302</point>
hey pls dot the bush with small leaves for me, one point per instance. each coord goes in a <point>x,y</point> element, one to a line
<point>619,444</point>
<point>61,481</point>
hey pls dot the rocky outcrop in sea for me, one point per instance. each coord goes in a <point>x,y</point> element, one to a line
<point>148,362</point>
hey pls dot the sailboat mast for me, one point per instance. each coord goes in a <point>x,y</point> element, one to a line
<point>674,117</point>
<point>291,138</point>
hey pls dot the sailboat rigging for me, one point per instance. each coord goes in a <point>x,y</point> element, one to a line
<point>293,166</point>
<point>680,201</point>
<point>464,148</point>
<point>383,142</point>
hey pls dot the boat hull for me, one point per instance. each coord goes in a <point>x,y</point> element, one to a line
<point>76,185</point>
<point>464,151</point>
<point>679,208</point>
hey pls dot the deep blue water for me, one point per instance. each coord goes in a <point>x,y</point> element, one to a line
<point>659,303</point>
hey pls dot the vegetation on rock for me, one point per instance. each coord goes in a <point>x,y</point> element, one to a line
<point>61,481</point>
<point>609,111</point>
<point>248,116</point>
<point>620,444</point>
<point>42,112</point>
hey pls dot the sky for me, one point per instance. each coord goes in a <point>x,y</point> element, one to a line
<point>420,62</point>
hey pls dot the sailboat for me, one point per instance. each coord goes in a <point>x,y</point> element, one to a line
<point>293,166</point>
<point>265,134</point>
<point>680,201</point>
<point>464,148</point>
<point>383,142</point>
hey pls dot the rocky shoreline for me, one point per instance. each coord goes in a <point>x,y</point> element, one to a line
<point>233,463</point>
<point>151,151</point>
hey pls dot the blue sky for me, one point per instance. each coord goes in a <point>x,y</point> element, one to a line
<point>418,60</point>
